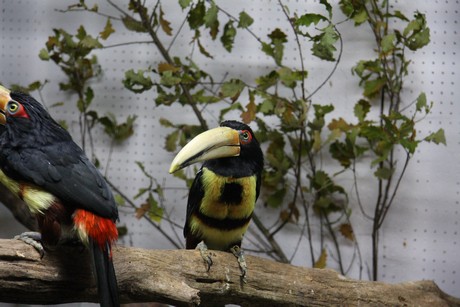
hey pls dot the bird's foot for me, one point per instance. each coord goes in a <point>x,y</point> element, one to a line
<point>34,239</point>
<point>205,254</point>
<point>238,253</point>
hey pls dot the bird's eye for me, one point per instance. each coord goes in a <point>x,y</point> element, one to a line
<point>245,136</point>
<point>13,107</point>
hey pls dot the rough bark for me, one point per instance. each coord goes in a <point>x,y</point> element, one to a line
<point>179,277</point>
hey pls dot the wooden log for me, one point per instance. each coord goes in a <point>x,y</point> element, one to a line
<point>179,277</point>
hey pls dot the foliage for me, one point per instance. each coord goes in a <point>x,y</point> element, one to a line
<point>296,131</point>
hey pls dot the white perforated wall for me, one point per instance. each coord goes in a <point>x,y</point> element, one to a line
<point>420,238</point>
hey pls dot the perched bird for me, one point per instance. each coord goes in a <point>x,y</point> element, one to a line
<point>222,197</point>
<point>41,164</point>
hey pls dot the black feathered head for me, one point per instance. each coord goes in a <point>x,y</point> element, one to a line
<point>27,121</point>
<point>229,150</point>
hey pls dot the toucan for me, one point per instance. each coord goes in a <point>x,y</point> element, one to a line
<point>41,164</point>
<point>224,192</point>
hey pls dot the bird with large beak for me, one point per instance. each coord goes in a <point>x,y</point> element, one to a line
<point>223,195</point>
<point>40,163</point>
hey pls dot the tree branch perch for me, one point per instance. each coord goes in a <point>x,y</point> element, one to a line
<point>179,277</point>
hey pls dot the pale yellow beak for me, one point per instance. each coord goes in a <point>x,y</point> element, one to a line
<point>212,144</point>
<point>4,98</point>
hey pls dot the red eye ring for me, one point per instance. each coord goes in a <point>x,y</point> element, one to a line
<point>245,136</point>
<point>15,109</point>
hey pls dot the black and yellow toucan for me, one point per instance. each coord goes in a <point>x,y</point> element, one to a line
<point>223,195</point>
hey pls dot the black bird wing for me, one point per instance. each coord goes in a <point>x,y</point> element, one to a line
<point>63,170</point>
<point>195,197</point>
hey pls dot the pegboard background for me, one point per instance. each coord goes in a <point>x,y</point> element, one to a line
<point>420,238</point>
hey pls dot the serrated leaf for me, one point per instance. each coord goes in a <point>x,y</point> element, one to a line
<point>307,19</point>
<point>165,25</point>
<point>322,260</point>
<point>437,137</point>
<point>136,81</point>
<point>108,29</point>
<point>361,109</point>
<point>196,15</point>
<point>339,124</point>
<point>324,47</point>
<point>228,36</point>
<point>211,21</point>
<point>244,20</point>
<point>421,102</point>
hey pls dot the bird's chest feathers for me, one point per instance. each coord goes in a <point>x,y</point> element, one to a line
<point>227,197</point>
<point>37,200</point>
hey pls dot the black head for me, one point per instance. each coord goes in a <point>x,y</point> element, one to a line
<point>249,162</point>
<point>27,120</point>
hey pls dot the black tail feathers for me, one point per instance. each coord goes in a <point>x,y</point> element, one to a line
<point>105,274</point>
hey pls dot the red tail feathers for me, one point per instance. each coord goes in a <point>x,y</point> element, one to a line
<point>99,229</point>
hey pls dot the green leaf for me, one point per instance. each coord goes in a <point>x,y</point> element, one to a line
<point>155,212</point>
<point>383,173</point>
<point>388,42</point>
<point>307,19</point>
<point>437,137</point>
<point>44,55</point>
<point>360,17</point>
<point>244,20</point>
<point>417,34</point>
<point>421,102</point>
<point>232,89</point>
<point>228,36</point>
<point>373,87</point>
<point>184,3</point>
<point>108,29</point>
<point>171,141</point>
<point>196,15</point>
<point>133,24</point>
<point>361,109</point>
<point>211,21</point>
<point>275,200</point>
<point>136,81</point>
<point>323,46</point>
<point>90,42</point>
